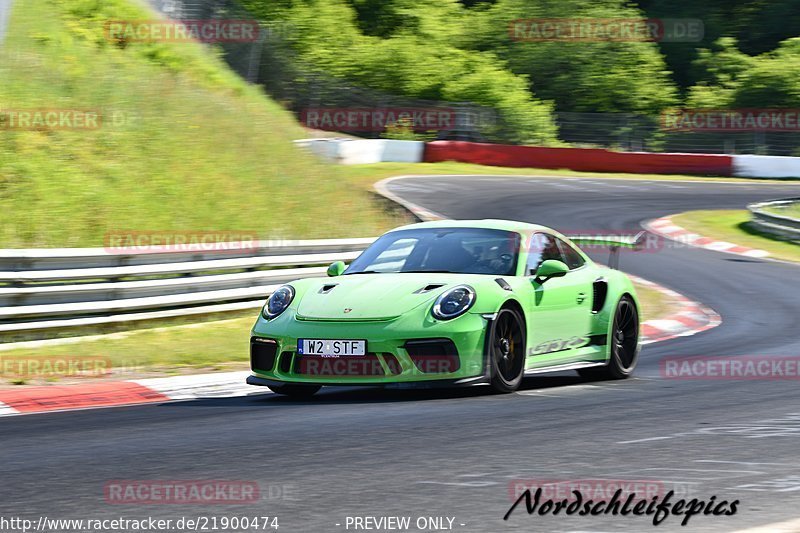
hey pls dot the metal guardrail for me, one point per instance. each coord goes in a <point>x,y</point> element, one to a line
<point>781,226</point>
<point>82,258</point>
<point>45,290</point>
<point>183,268</point>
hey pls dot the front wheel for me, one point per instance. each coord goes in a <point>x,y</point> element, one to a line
<point>507,351</point>
<point>623,342</point>
<point>295,390</point>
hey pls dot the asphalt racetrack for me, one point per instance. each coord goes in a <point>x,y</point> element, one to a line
<point>371,452</point>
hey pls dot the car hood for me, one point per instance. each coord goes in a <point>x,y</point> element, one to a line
<point>372,296</point>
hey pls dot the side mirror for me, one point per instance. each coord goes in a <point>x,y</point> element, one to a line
<point>336,269</point>
<point>551,269</point>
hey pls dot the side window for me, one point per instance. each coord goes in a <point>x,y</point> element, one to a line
<point>542,248</point>
<point>571,256</point>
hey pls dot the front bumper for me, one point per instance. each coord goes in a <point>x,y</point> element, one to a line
<point>400,351</point>
<point>426,384</point>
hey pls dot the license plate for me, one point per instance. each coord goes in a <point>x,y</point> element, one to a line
<point>331,348</point>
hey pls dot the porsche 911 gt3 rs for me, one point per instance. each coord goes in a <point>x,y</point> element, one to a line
<point>450,303</point>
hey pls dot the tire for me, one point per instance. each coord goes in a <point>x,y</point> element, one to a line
<point>623,344</point>
<point>295,390</point>
<point>506,351</point>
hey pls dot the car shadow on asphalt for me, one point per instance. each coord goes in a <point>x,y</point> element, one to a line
<point>340,395</point>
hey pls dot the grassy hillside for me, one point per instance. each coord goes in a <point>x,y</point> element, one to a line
<point>184,145</point>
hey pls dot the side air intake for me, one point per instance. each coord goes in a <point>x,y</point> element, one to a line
<point>599,293</point>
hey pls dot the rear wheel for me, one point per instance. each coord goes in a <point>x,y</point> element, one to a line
<point>507,351</point>
<point>295,390</point>
<point>623,342</point>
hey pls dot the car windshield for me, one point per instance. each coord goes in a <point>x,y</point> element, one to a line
<point>456,250</point>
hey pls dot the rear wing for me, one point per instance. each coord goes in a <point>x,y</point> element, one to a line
<point>612,242</point>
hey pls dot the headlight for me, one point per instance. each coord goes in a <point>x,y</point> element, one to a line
<point>454,302</point>
<point>278,302</point>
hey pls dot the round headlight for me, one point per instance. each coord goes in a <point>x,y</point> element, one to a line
<point>279,301</point>
<point>454,302</point>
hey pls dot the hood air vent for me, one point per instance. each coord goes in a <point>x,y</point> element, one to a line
<point>428,288</point>
<point>327,288</point>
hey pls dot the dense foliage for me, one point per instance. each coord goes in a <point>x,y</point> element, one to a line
<point>462,50</point>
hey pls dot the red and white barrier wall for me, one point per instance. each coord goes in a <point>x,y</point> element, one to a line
<point>361,151</point>
<point>766,166</point>
<point>582,159</point>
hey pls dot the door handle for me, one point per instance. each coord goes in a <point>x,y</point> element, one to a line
<point>581,297</point>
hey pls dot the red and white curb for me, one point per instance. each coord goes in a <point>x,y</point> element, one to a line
<point>689,319</point>
<point>665,227</point>
<point>48,398</point>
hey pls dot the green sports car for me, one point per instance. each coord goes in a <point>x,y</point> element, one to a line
<point>450,303</point>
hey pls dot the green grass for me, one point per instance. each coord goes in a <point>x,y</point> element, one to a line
<point>185,144</point>
<point>208,347</point>
<point>654,304</point>
<point>791,210</point>
<point>734,226</point>
<point>212,346</point>
<point>122,327</point>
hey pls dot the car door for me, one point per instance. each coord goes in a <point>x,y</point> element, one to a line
<point>581,280</point>
<point>560,306</point>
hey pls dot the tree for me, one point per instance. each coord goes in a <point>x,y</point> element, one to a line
<point>579,76</point>
<point>731,79</point>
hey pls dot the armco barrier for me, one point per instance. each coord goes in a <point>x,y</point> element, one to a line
<point>50,289</point>
<point>781,226</point>
<point>580,159</point>
<point>36,259</point>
